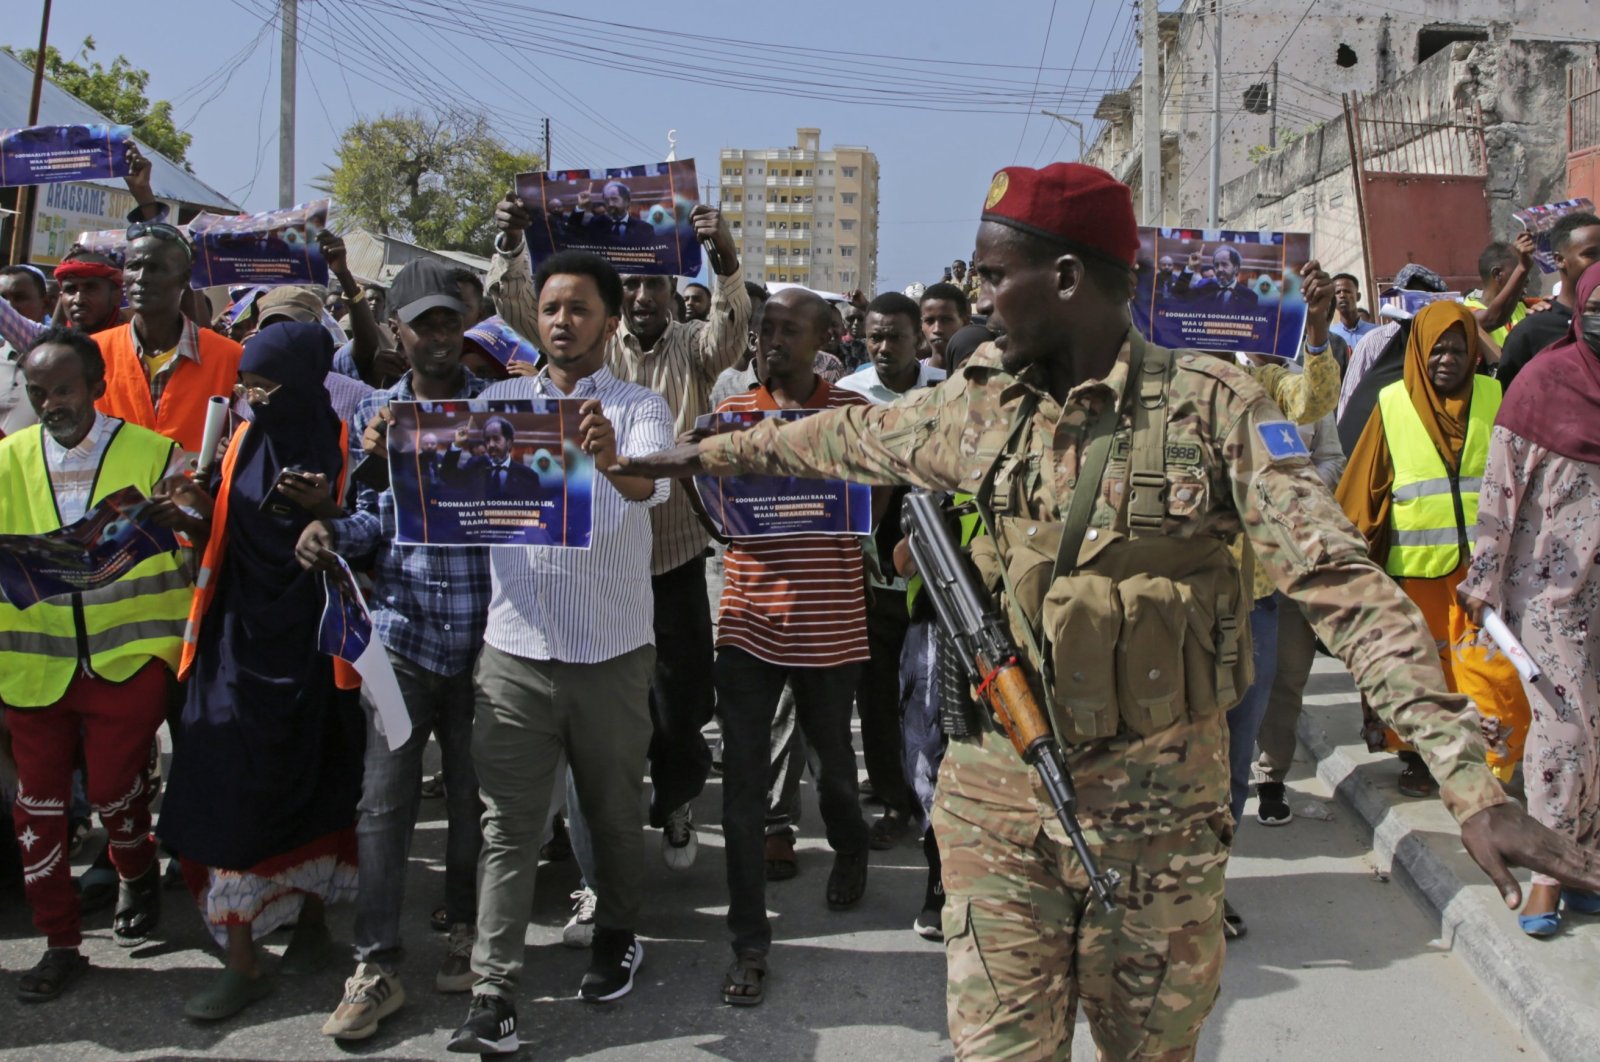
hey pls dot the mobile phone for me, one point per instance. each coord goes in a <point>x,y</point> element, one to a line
<point>277,503</point>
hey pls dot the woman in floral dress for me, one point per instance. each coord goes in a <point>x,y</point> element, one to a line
<point>1537,563</point>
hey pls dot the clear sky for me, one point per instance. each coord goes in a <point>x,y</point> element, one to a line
<point>866,72</point>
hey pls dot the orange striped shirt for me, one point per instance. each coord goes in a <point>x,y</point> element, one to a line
<point>794,600</point>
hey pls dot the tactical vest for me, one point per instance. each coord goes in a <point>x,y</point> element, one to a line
<point>111,632</point>
<point>1434,510</point>
<point>1133,630</point>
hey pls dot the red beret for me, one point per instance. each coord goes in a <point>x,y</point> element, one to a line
<point>1068,202</point>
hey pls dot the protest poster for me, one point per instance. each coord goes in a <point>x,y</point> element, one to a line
<point>108,542</point>
<point>764,506</point>
<point>345,632</point>
<point>52,154</point>
<point>1538,220</point>
<point>270,248</point>
<point>635,217</point>
<point>502,342</point>
<point>1398,304</point>
<point>482,472</point>
<point>1219,289</point>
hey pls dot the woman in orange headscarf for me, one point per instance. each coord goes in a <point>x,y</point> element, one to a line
<point>1411,488</point>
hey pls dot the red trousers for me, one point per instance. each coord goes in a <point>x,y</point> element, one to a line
<point>114,725</point>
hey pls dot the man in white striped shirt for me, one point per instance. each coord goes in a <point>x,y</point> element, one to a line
<point>679,360</point>
<point>566,665</point>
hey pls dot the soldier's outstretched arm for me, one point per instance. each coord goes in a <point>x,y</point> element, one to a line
<point>1315,556</point>
<point>912,442</point>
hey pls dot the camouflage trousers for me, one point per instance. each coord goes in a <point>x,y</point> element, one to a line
<point>1024,942</point>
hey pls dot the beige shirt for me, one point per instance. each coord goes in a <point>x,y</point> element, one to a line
<point>682,367</point>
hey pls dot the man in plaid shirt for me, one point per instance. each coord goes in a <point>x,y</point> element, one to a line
<point>429,608</point>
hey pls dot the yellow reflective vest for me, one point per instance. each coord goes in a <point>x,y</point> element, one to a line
<point>111,632</point>
<point>1434,511</point>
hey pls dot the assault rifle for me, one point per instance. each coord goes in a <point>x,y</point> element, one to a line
<point>977,628</point>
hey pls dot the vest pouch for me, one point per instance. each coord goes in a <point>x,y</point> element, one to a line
<point>1082,622</point>
<point>1150,655</point>
<point>1216,659</point>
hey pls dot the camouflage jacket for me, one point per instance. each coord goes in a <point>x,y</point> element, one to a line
<point>1248,476</point>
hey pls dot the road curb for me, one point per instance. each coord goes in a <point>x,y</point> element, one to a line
<point>1563,1027</point>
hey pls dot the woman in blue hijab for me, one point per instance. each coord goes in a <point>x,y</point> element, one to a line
<point>266,769</point>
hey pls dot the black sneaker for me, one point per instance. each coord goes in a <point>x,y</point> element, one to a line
<point>1272,805</point>
<point>490,1028</point>
<point>930,923</point>
<point>617,955</point>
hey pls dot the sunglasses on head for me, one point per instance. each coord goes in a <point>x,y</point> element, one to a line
<point>159,230</point>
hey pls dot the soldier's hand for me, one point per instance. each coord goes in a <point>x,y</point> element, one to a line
<point>677,462</point>
<point>1504,836</point>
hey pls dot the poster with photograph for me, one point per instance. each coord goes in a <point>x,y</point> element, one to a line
<point>346,633</point>
<point>1538,220</point>
<point>763,506</point>
<point>52,154</point>
<point>635,217</point>
<point>108,542</point>
<point>273,247</point>
<point>480,472</point>
<point>1224,290</point>
<point>501,342</point>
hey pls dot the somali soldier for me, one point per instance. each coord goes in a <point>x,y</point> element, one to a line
<point>1182,453</point>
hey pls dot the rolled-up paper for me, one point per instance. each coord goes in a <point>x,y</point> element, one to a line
<point>1510,646</point>
<point>216,420</point>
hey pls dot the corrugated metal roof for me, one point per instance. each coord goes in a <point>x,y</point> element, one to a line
<point>57,106</point>
<point>373,256</point>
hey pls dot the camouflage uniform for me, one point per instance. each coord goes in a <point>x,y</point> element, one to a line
<point>1023,945</point>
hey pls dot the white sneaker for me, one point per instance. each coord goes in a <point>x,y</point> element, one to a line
<point>579,932</point>
<point>679,842</point>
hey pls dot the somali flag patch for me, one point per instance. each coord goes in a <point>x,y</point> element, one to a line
<point>1282,440</point>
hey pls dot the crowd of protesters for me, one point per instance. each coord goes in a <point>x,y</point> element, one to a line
<point>571,691</point>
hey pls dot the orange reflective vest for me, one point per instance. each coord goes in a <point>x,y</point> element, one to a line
<point>205,587</point>
<point>181,413</point>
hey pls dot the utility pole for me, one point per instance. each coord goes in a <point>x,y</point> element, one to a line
<point>1214,195</point>
<point>286,69</point>
<point>1072,122</point>
<point>1150,108</point>
<point>547,166</point>
<point>22,220</point>
<point>1272,128</point>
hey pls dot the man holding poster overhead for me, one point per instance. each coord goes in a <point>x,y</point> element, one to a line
<point>680,361</point>
<point>566,665</point>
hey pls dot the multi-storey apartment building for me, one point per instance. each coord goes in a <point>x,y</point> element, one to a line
<point>802,215</point>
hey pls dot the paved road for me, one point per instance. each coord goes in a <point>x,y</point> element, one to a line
<point>1338,964</point>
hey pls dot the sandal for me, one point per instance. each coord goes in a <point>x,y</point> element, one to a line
<point>138,908</point>
<point>782,863</point>
<point>440,920</point>
<point>745,983</point>
<point>433,788</point>
<point>848,881</point>
<point>51,975</point>
<point>227,996</point>
<point>1233,927</point>
<point>888,831</point>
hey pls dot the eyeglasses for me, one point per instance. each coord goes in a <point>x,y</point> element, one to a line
<point>160,230</point>
<point>256,396</point>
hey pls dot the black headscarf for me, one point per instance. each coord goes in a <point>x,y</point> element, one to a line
<point>297,428</point>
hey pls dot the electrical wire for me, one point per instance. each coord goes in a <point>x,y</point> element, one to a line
<point>1039,72</point>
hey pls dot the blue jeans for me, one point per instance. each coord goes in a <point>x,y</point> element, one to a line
<point>391,795</point>
<point>1244,718</point>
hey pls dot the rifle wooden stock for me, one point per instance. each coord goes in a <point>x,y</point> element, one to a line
<point>1011,699</point>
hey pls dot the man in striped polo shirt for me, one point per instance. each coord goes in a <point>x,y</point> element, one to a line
<point>793,610</point>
